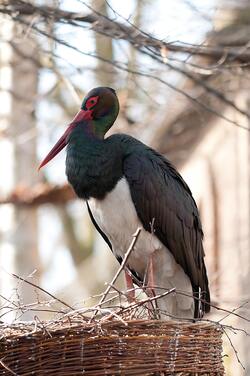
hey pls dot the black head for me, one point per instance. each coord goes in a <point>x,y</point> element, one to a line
<point>101,101</point>
<point>99,109</point>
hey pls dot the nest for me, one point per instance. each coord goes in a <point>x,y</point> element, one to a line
<point>111,347</point>
<point>111,338</point>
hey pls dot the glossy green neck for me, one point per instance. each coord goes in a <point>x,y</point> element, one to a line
<point>103,122</point>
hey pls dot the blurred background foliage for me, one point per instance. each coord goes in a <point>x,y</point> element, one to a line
<point>181,71</point>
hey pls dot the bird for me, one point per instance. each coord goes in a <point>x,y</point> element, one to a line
<point>128,185</point>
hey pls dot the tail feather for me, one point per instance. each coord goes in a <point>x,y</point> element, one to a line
<point>202,296</point>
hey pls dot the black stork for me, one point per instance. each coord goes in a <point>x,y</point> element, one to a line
<point>127,185</point>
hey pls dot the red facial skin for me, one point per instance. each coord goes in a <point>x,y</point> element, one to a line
<point>81,116</point>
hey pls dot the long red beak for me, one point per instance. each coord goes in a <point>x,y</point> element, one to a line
<point>62,142</point>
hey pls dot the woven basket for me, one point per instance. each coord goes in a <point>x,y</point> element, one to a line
<point>137,347</point>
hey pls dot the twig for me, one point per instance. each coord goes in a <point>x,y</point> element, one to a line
<point>211,304</point>
<point>111,28</point>
<point>140,46</point>
<point>122,266</point>
<point>234,349</point>
<point>122,67</point>
<point>36,318</point>
<point>43,290</point>
<point>7,368</point>
<point>232,312</point>
<point>112,313</point>
<point>149,299</point>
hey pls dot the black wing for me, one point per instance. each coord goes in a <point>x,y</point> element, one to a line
<point>160,195</point>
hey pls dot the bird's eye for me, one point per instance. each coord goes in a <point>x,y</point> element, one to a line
<point>91,102</point>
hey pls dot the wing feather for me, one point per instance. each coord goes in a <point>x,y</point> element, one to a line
<point>161,195</point>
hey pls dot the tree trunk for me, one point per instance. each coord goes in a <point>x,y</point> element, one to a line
<point>103,45</point>
<point>20,162</point>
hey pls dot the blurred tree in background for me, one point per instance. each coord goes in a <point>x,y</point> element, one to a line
<point>181,71</point>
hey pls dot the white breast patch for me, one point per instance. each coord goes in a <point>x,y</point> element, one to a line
<point>117,218</point>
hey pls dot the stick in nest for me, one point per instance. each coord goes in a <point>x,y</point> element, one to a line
<point>122,266</point>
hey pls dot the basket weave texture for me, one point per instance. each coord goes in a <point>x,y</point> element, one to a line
<point>141,347</point>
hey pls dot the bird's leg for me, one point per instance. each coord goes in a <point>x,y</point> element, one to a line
<point>150,277</point>
<point>130,287</point>
<point>151,284</point>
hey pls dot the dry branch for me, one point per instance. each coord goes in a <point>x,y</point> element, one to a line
<point>39,194</point>
<point>121,268</point>
<point>145,43</point>
<point>117,30</point>
<point>71,344</point>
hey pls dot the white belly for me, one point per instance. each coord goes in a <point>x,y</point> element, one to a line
<point>117,218</point>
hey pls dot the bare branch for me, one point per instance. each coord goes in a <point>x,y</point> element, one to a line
<point>39,194</point>
<point>122,266</point>
<point>100,24</point>
<point>43,290</point>
<point>123,67</point>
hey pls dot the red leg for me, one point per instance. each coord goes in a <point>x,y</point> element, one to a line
<point>151,283</point>
<point>150,279</point>
<point>130,287</point>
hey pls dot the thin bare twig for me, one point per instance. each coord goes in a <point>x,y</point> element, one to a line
<point>122,67</point>
<point>233,347</point>
<point>101,25</point>
<point>122,266</point>
<point>148,299</point>
<point>211,304</point>
<point>109,27</point>
<point>7,368</point>
<point>232,312</point>
<point>43,290</point>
